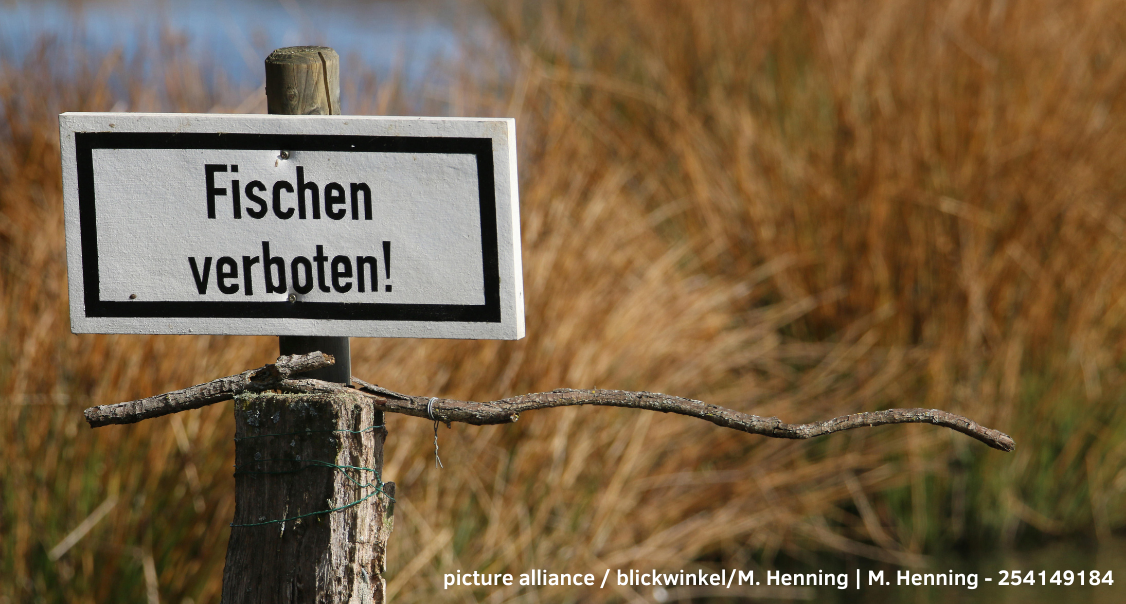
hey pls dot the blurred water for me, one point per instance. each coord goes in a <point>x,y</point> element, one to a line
<point>236,35</point>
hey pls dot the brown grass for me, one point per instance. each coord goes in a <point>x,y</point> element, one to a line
<point>799,209</point>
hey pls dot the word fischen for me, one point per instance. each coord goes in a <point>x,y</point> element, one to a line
<point>283,200</point>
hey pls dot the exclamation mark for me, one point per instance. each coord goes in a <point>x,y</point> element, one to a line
<point>387,265</point>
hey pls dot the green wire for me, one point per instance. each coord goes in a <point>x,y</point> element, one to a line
<point>316,463</point>
<point>368,429</point>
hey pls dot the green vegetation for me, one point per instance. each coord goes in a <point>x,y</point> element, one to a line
<point>800,209</point>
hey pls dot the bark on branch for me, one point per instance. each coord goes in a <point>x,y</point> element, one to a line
<point>278,378</point>
<point>215,391</point>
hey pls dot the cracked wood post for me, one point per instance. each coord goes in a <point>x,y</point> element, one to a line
<point>312,516</point>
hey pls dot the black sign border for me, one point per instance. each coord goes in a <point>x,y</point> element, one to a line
<point>480,148</point>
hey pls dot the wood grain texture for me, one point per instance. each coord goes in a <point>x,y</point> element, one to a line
<point>303,80</point>
<point>304,455</point>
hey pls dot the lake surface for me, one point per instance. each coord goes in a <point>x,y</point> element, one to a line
<point>236,35</point>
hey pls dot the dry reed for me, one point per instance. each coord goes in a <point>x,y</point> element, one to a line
<point>798,209</point>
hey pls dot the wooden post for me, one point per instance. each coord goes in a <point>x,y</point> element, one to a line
<point>305,80</point>
<point>312,515</point>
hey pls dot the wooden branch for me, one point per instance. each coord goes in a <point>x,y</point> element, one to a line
<point>215,391</point>
<point>276,377</point>
<point>509,410</point>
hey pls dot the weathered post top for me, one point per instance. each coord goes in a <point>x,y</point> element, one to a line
<point>303,80</point>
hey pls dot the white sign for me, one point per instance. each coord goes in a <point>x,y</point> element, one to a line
<point>292,225</point>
